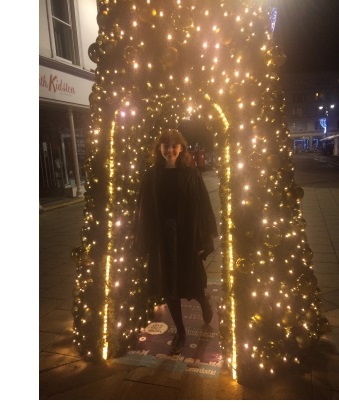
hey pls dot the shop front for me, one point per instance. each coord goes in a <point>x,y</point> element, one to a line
<point>63,123</point>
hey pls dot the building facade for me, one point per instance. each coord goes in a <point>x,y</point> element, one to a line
<point>66,74</point>
<point>312,110</point>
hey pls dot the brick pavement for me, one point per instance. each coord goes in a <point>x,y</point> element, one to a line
<point>66,375</point>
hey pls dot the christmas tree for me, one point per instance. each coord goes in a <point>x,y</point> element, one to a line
<point>158,63</point>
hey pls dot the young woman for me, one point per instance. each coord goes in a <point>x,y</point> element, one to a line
<point>175,227</point>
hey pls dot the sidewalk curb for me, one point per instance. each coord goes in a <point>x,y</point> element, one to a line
<point>47,208</point>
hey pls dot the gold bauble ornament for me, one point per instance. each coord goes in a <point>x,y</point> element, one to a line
<point>272,236</point>
<point>76,293</point>
<point>276,195</point>
<point>130,54</point>
<point>255,160</point>
<point>182,18</point>
<point>86,259</point>
<point>75,310</point>
<point>170,57</point>
<point>244,265</point>
<point>273,161</point>
<point>288,319</point>
<point>94,53</point>
<point>278,56</point>
<point>87,314</point>
<point>253,202</point>
<point>302,222</point>
<point>291,198</point>
<point>108,46</point>
<point>323,325</point>
<point>76,253</point>
<point>304,341</point>
<point>299,192</point>
<point>308,253</point>
<point>305,284</point>
<point>311,316</point>
<point>105,19</point>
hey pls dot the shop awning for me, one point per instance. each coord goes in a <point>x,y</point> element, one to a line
<point>329,138</point>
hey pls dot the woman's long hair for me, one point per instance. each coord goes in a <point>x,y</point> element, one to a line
<point>171,137</point>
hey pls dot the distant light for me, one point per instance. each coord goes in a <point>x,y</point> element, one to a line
<point>273,17</point>
<point>323,124</point>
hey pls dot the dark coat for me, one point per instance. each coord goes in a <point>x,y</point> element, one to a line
<point>196,228</point>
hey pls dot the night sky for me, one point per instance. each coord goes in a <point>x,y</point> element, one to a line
<point>308,33</point>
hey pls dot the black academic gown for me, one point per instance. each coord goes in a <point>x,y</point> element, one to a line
<point>196,228</point>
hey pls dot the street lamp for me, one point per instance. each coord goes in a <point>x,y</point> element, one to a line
<point>324,121</point>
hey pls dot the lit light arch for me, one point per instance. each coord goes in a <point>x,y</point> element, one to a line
<point>156,61</point>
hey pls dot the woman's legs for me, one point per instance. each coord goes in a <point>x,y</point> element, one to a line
<point>207,312</point>
<point>173,303</point>
<point>174,306</point>
<point>178,342</point>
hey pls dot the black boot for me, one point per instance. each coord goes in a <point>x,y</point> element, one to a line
<point>207,311</point>
<point>178,343</point>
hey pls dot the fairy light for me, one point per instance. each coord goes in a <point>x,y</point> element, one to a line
<point>206,66</point>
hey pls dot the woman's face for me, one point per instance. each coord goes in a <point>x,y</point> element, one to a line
<point>170,152</point>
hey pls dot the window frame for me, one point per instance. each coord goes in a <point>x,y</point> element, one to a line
<point>73,37</point>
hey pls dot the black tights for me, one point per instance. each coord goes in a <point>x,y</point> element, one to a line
<point>174,306</point>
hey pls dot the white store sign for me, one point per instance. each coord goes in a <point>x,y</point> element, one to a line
<point>59,86</point>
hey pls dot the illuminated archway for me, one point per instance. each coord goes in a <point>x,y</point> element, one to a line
<point>157,61</point>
